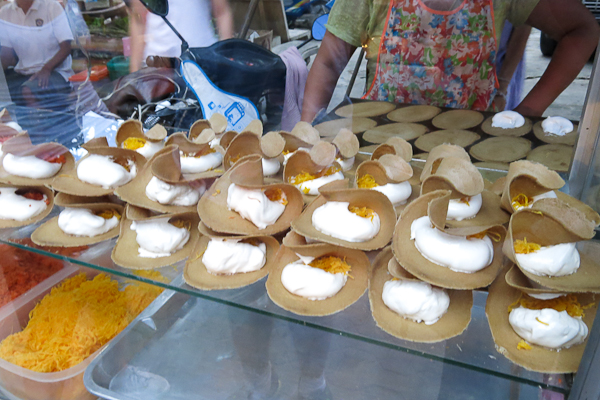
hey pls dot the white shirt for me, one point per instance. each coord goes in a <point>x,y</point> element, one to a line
<point>191,18</point>
<point>35,37</point>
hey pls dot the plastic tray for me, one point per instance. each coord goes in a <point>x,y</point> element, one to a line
<point>27,384</point>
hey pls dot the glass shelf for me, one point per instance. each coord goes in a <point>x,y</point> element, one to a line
<point>473,350</point>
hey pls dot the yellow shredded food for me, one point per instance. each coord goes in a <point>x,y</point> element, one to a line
<point>134,143</point>
<point>306,190</point>
<point>108,214</point>
<point>332,264</point>
<point>465,200</point>
<point>521,200</point>
<point>366,182</point>
<point>181,223</point>
<point>523,345</point>
<point>362,212</point>
<point>217,192</point>
<point>495,236</point>
<point>203,152</point>
<point>568,303</point>
<point>74,320</point>
<point>305,176</point>
<point>276,194</point>
<point>525,247</point>
<point>541,322</point>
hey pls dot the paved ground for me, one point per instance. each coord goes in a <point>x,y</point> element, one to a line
<point>569,104</point>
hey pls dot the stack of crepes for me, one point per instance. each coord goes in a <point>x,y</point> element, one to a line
<point>76,319</point>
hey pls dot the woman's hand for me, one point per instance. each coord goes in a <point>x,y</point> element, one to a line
<point>43,78</point>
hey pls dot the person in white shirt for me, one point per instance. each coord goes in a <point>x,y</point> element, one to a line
<point>36,52</point>
<point>151,36</point>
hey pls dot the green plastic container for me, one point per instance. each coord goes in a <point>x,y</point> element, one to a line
<point>118,67</point>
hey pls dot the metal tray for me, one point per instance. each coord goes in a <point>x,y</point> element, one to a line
<point>184,347</point>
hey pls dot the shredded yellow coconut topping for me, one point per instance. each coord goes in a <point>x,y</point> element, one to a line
<point>525,247</point>
<point>366,182</point>
<point>521,200</point>
<point>108,214</point>
<point>523,345</point>
<point>305,176</point>
<point>495,236</point>
<point>134,143</point>
<point>286,152</point>
<point>276,194</point>
<point>465,200</point>
<point>203,152</point>
<point>332,264</point>
<point>74,320</point>
<point>363,212</point>
<point>181,223</point>
<point>568,303</point>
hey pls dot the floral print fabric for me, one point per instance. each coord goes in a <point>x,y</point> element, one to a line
<point>438,58</point>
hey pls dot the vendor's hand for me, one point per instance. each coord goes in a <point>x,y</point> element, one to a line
<point>43,77</point>
<point>499,103</point>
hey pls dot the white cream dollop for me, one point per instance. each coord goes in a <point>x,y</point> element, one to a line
<point>558,260</point>
<point>545,296</point>
<point>103,171</point>
<point>83,222</point>
<point>334,219</point>
<point>345,163</point>
<point>150,148</point>
<point>19,208</point>
<point>558,126</point>
<point>301,279</point>
<point>398,193</point>
<point>254,205</point>
<point>459,209</point>
<point>287,156</point>
<point>508,120</point>
<point>194,165</point>
<point>230,256</point>
<point>459,253</point>
<point>548,327</point>
<point>270,166</point>
<point>182,194</point>
<point>29,166</point>
<point>158,238</point>
<point>418,301</point>
<point>312,187</point>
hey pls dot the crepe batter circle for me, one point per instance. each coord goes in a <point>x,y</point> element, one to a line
<point>501,149</point>
<point>365,109</point>
<point>356,125</point>
<point>514,132</point>
<point>457,119</point>
<point>405,130</point>
<point>568,139</point>
<point>458,137</point>
<point>414,113</point>
<point>492,165</point>
<point>554,156</point>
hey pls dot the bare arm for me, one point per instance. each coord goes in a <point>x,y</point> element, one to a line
<point>8,57</point>
<point>576,31</point>
<point>332,58</point>
<point>44,74</point>
<point>224,18</point>
<point>514,53</point>
<point>137,27</point>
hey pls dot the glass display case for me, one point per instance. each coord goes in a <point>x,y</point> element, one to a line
<point>237,343</point>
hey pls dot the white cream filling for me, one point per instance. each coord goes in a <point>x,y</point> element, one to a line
<point>230,256</point>
<point>150,148</point>
<point>312,187</point>
<point>545,296</point>
<point>29,166</point>
<point>182,194</point>
<point>558,126</point>
<point>83,222</point>
<point>334,219</point>
<point>287,156</point>
<point>102,171</point>
<point>508,120</point>
<point>254,205</point>
<point>558,260</point>
<point>270,166</point>
<point>194,165</point>
<point>345,163</point>
<point>158,238</point>
<point>418,301</point>
<point>548,327</point>
<point>459,210</point>
<point>301,279</point>
<point>459,253</point>
<point>398,193</point>
<point>19,208</point>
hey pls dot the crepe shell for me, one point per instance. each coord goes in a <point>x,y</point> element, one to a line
<point>443,151</point>
<point>8,223</point>
<point>395,146</point>
<point>134,129</point>
<point>269,146</point>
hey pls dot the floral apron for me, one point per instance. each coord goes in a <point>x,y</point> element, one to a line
<point>442,58</point>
